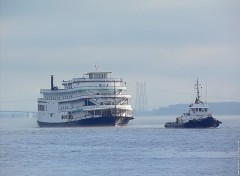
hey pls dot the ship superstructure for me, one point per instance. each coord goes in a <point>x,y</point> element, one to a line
<point>96,99</point>
<point>198,116</point>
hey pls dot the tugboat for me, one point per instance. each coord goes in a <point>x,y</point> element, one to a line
<point>198,116</point>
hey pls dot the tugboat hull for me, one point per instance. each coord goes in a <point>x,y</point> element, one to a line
<point>202,123</point>
<point>195,123</point>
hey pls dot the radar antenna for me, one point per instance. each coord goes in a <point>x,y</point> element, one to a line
<point>96,66</point>
<point>198,96</point>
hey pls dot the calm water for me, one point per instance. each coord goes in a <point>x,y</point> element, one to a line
<point>142,148</point>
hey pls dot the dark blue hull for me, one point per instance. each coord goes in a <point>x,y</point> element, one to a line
<point>201,123</point>
<point>100,121</point>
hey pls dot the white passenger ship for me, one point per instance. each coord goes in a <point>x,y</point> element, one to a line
<point>96,99</point>
<point>198,116</point>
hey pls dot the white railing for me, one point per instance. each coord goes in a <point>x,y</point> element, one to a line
<point>81,80</point>
<point>96,107</point>
<point>72,98</point>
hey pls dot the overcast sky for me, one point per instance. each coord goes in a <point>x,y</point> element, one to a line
<point>167,44</point>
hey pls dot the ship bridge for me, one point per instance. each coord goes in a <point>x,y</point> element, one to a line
<point>98,75</point>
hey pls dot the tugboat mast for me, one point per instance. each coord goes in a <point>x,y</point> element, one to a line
<point>198,96</point>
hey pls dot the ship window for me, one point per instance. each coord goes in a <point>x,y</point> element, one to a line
<point>41,107</point>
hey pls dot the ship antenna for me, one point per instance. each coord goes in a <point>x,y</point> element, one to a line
<point>206,94</point>
<point>198,90</point>
<point>198,96</point>
<point>115,107</point>
<point>96,66</point>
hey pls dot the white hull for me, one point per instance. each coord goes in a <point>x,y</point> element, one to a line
<point>87,99</point>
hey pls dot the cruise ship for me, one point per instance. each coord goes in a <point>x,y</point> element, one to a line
<point>96,99</point>
<point>198,116</point>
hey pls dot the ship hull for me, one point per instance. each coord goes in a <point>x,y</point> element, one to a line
<point>100,121</point>
<point>173,125</point>
<point>208,122</point>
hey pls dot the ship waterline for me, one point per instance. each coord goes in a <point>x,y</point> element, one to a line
<point>98,121</point>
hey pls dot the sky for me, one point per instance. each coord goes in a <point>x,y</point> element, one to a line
<point>167,44</point>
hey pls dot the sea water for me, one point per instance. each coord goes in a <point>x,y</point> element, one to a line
<point>143,148</point>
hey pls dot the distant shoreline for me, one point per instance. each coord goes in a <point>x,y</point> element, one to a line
<point>219,108</point>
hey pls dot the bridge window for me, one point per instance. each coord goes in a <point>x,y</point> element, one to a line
<point>41,107</point>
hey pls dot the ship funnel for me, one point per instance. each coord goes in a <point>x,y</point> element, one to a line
<point>51,82</point>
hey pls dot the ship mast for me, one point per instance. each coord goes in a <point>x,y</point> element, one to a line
<point>198,96</point>
<point>115,107</point>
